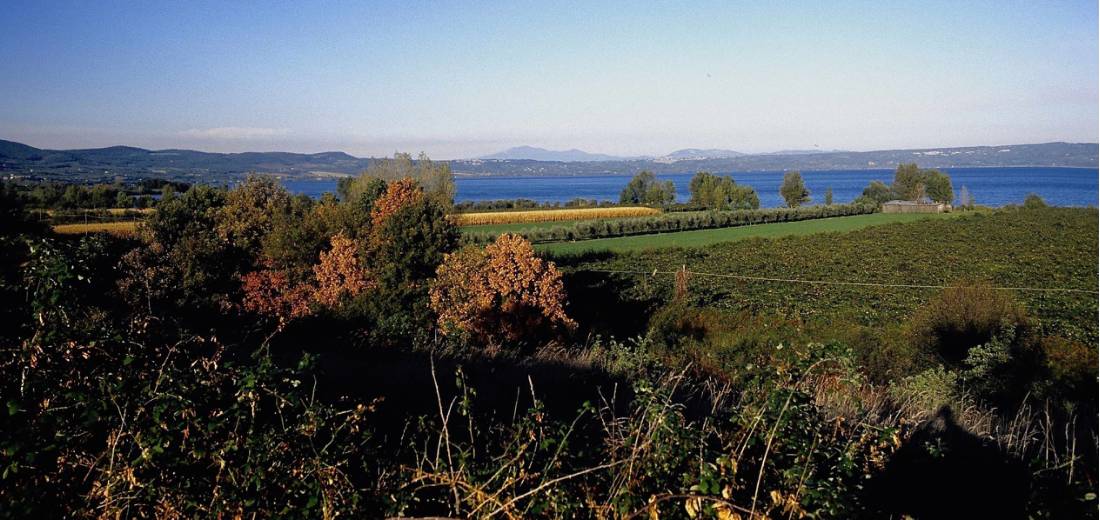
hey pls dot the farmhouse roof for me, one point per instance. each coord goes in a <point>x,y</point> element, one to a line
<point>910,203</point>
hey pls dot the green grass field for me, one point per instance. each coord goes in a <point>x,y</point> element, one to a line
<point>1049,248</point>
<point>704,237</point>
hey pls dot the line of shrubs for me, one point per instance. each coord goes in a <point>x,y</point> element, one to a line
<point>671,222</point>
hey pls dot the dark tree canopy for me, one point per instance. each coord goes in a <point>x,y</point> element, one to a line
<point>914,183</point>
<point>721,193</point>
<point>911,183</point>
<point>644,188</point>
<point>878,192</point>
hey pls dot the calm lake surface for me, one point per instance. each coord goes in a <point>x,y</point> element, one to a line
<point>989,186</point>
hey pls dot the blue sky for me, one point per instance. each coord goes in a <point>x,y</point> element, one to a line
<point>466,79</point>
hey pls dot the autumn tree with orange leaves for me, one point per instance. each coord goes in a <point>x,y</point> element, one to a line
<point>403,239</point>
<point>398,194</point>
<point>340,273</point>
<point>502,293</point>
<point>270,292</point>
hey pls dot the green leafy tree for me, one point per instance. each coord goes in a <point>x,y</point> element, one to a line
<point>177,215</point>
<point>829,196</point>
<point>721,193</point>
<point>907,181</point>
<point>73,197</point>
<point>405,249</point>
<point>416,237</point>
<point>343,187</point>
<point>184,264</point>
<point>250,210</point>
<point>46,195</point>
<point>101,196</point>
<point>362,193</point>
<point>435,178</point>
<point>167,192</point>
<point>122,200</point>
<point>913,183</point>
<point>794,189</point>
<point>878,192</point>
<point>937,186</point>
<point>297,236</point>
<point>644,188</point>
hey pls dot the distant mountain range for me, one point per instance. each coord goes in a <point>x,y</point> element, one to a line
<point>128,163</point>
<point>1077,155</point>
<point>695,154</point>
<point>531,153</point>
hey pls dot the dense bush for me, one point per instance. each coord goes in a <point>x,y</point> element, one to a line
<point>1033,201</point>
<point>502,293</point>
<point>120,415</point>
<point>963,317</point>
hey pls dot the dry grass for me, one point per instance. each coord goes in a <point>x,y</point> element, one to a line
<point>509,217</point>
<point>114,228</point>
<point>111,211</point>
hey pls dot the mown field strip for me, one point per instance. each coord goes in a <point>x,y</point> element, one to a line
<point>704,237</point>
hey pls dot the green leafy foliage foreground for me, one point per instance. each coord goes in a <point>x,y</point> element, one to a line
<point>138,382</point>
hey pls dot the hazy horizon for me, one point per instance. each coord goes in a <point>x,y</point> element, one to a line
<point>466,81</point>
<point>482,156</point>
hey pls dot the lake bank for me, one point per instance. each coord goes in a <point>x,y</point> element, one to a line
<point>989,186</point>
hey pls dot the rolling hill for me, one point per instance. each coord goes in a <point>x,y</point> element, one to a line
<point>130,163</point>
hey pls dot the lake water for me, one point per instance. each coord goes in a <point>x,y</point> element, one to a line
<point>989,186</point>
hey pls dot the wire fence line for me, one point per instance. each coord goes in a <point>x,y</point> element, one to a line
<point>656,272</point>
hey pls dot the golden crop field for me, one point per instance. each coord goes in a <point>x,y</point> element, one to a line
<point>115,228</point>
<point>110,211</point>
<point>509,217</point>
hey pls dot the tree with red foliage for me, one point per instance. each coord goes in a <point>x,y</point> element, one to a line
<point>503,292</point>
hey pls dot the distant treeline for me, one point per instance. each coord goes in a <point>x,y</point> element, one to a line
<point>679,221</point>
<point>60,196</point>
